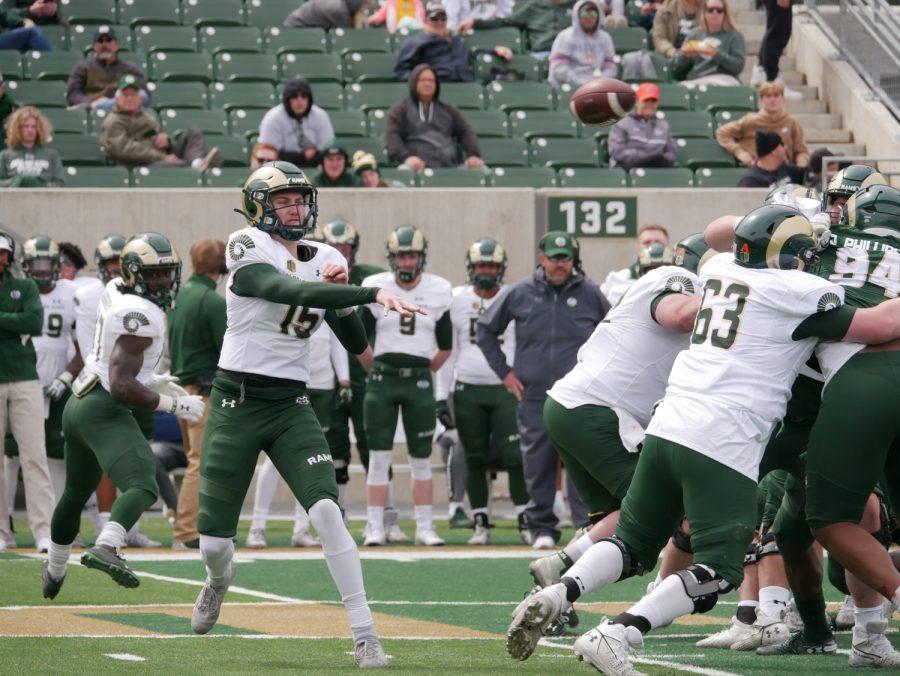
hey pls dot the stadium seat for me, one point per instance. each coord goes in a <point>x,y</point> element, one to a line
<point>504,152</point>
<point>212,13</point>
<point>488,123</point>
<point>95,120</point>
<point>57,35</point>
<point>154,12</point>
<point>97,177</point>
<point>688,123</point>
<point>245,121</point>
<point>463,95</point>
<point>714,99</point>
<point>40,93</point>
<point>375,121</point>
<point>165,38</point>
<point>531,123</point>
<point>230,95</point>
<point>661,178</point>
<point>485,40</point>
<point>349,123</point>
<point>210,122</point>
<point>51,65</point>
<point>524,63</point>
<point>166,177</point>
<point>375,146</point>
<point>235,150</point>
<point>367,96</point>
<point>563,152</point>
<point>11,64</point>
<point>561,96</point>
<point>523,177</point>
<point>215,39</point>
<point>313,67</point>
<point>280,40</point>
<point>405,178</point>
<point>225,177</point>
<point>89,11</point>
<point>181,67</point>
<point>344,41</point>
<point>448,177</point>
<point>662,71</point>
<point>718,177</point>
<point>177,95</point>
<point>328,95</point>
<point>369,67</point>
<point>264,13</point>
<point>242,67</point>
<point>67,121</point>
<point>508,96</point>
<point>583,177</point>
<point>725,116</point>
<point>673,96</point>
<point>81,37</point>
<point>400,36</point>
<point>628,39</point>
<point>702,152</point>
<point>79,150</point>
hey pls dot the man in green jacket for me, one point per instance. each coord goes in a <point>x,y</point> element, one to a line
<point>196,330</point>
<point>21,397</point>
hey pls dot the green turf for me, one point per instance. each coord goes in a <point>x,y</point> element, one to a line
<point>162,623</point>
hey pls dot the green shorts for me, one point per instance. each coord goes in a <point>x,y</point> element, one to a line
<point>588,442</point>
<point>389,390</point>
<point>771,490</point>
<point>245,420</point>
<point>719,503</point>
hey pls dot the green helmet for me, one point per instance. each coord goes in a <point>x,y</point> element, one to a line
<point>269,179</point>
<point>41,248</point>
<point>341,232</point>
<point>149,261</point>
<point>108,249</point>
<point>806,200</point>
<point>850,180</point>
<point>775,236</point>
<point>692,252</point>
<point>486,250</point>
<point>654,255</point>
<point>875,210</point>
<point>407,239</point>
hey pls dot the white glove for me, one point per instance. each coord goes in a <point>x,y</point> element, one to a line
<point>166,383</point>
<point>189,407</point>
<point>58,387</point>
<point>821,224</point>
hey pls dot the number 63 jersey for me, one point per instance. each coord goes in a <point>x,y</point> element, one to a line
<point>727,391</point>
<point>266,338</point>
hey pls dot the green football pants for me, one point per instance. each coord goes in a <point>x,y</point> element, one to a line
<point>391,390</point>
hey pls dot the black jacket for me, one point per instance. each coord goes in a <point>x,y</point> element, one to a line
<point>755,177</point>
<point>448,57</point>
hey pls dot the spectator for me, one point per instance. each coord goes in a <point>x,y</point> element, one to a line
<point>462,14</point>
<point>133,138</point>
<point>328,14</point>
<point>739,137</point>
<point>297,128</point>
<point>7,103</point>
<point>673,21</point>
<point>779,20</point>
<point>814,168</point>
<point>394,14</point>
<point>713,53</point>
<point>365,167</point>
<point>617,281</point>
<point>92,84</point>
<point>261,154</point>
<point>555,311</point>
<point>26,162</point>
<point>335,170</point>
<point>640,139</point>
<point>20,34</point>
<point>771,166</point>
<point>196,332</point>
<point>41,12</point>
<point>21,396</point>
<point>648,14</point>
<point>584,50</point>
<point>542,20</point>
<point>422,131</point>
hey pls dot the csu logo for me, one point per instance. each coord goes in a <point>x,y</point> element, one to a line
<point>229,403</point>
<point>319,457</point>
<point>134,320</point>
<point>238,246</point>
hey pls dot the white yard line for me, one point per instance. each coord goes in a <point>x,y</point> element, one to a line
<point>255,637</point>
<point>233,588</point>
<point>684,667</point>
<point>404,555</point>
<point>125,657</point>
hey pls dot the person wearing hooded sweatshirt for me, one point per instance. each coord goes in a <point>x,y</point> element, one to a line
<point>421,131</point>
<point>335,170</point>
<point>583,51</point>
<point>297,128</point>
<point>327,14</point>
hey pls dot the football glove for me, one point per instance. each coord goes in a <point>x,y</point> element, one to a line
<point>344,395</point>
<point>821,224</point>
<point>58,387</point>
<point>166,383</point>
<point>443,414</point>
<point>189,407</point>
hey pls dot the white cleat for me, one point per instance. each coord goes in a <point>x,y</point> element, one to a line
<point>303,538</point>
<point>734,632</point>
<point>792,617</point>
<point>256,539</point>
<point>845,619</point>
<point>374,536</point>
<point>209,603</point>
<point>543,542</point>
<point>482,536</point>
<point>548,570</point>
<point>757,76</point>
<point>428,538</point>
<point>395,534</point>
<point>370,655</point>
<point>531,616</point>
<point>767,630</point>
<point>609,648</point>
<point>871,647</point>
<point>136,538</point>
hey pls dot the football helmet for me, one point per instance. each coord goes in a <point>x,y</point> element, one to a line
<point>875,210</point>
<point>40,260</point>
<point>341,232</point>
<point>850,180</point>
<point>151,268</point>
<point>654,255</point>
<point>775,236</point>
<point>486,250</point>
<point>806,200</point>
<point>407,239</point>
<point>108,249</point>
<point>692,252</point>
<point>269,179</point>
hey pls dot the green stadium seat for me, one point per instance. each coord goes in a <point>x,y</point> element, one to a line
<point>375,121</point>
<point>661,178</point>
<point>463,95</point>
<point>51,65</point>
<point>212,13</point>
<point>177,95</point>
<point>57,35</point>
<point>89,11</point>
<point>327,95</point>
<point>583,177</point>
<point>181,67</point>
<point>628,39</point>
<point>225,177</point>
<point>562,94</point>
<point>531,123</point>
<point>504,152</point>
<point>281,40</point>
<point>95,120</point>
<point>725,116</point>
<point>246,67</point>
<point>448,177</point>
<point>154,12</point>
<point>367,96</point>
<point>688,123</point>
<point>142,60</point>
<point>523,177</point>
<point>508,96</point>
<point>673,96</point>
<point>67,121</point>
<point>11,64</point>
<point>486,39</point>
<point>314,67</point>
<point>215,39</point>
<point>245,121</point>
<point>369,67</point>
<point>166,177</point>
<point>524,63</point>
<point>375,146</point>
<point>397,178</point>
<point>702,152</point>
<point>488,123</point>
<point>349,123</point>
<point>344,41</point>
<point>230,95</point>
<point>633,12</point>
<point>97,177</point>
<point>81,37</point>
<point>165,38</point>
<point>210,122</point>
<point>662,71</point>
<point>400,36</point>
<point>718,177</point>
<point>714,99</point>
<point>235,149</point>
<point>265,13</point>
<point>40,93</point>
<point>563,152</point>
<point>79,150</point>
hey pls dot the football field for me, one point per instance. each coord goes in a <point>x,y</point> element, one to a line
<point>438,610</point>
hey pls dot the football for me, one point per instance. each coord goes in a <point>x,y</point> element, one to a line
<point>601,101</point>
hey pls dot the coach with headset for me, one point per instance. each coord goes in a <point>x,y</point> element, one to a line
<point>555,310</point>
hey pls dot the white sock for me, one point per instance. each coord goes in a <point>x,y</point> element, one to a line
<point>599,566</point>
<point>112,535</point>
<point>668,601</point>
<point>57,468</point>
<point>266,484</point>
<point>452,507</point>
<point>575,550</point>
<point>480,510</point>
<point>102,519</point>
<point>424,517</point>
<point>376,516</point>
<point>301,519</point>
<point>773,600</point>
<point>342,558</point>
<point>58,559</point>
<point>11,469</point>
<point>521,509</point>
<point>862,616</point>
<point>217,554</point>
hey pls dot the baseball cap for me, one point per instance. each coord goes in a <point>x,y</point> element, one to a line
<point>557,242</point>
<point>647,91</point>
<point>128,81</point>
<point>104,30</point>
<point>6,243</point>
<point>434,9</point>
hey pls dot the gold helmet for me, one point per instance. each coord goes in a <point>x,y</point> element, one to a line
<point>151,268</point>
<point>486,250</point>
<point>269,179</point>
<point>40,260</point>
<point>108,249</point>
<point>848,181</point>
<point>340,231</point>
<point>407,239</point>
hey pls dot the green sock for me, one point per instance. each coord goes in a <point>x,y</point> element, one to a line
<point>66,520</point>
<point>129,506</point>
<point>815,623</point>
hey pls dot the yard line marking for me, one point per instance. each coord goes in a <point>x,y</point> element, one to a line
<point>125,657</point>
<point>233,588</point>
<point>400,555</point>
<point>683,667</point>
<point>126,606</point>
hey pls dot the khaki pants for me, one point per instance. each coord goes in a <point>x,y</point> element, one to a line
<point>189,497</point>
<point>23,401</point>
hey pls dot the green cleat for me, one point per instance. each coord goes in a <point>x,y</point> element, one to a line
<point>105,559</point>
<point>460,519</point>
<point>798,644</point>
<point>50,584</point>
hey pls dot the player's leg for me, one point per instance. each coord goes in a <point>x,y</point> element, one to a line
<point>338,437</point>
<point>53,435</point>
<point>323,405</point>
<point>474,427</point>
<point>267,478</point>
<point>381,408</point>
<point>11,466</point>
<point>506,438</point>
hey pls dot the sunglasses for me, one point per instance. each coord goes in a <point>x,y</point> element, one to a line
<point>106,38</point>
<point>438,18</point>
<point>715,10</point>
<point>589,13</point>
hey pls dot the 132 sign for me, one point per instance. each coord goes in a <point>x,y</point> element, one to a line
<point>593,217</point>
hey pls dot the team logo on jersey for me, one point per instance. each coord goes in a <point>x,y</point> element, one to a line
<point>571,302</point>
<point>303,400</point>
<point>238,246</point>
<point>134,320</point>
<point>319,457</point>
<point>680,284</point>
<point>423,384</point>
<point>230,403</point>
<point>829,301</point>
<point>291,266</point>
<point>15,294</point>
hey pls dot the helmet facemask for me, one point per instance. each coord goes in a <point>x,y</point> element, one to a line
<point>156,283</point>
<point>43,270</point>
<point>300,213</point>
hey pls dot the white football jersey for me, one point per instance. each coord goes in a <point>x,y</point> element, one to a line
<point>626,361</point>
<point>266,338</point>
<point>126,314</point>
<point>87,302</point>
<point>52,346</point>
<point>81,281</point>
<point>616,284</point>
<point>470,365</point>
<point>727,391</point>
<point>327,359</point>
<point>413,335</point>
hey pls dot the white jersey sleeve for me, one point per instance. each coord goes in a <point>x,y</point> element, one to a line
<point>53,345</point>
<point>339,359</point>
<point>616,284</point>
<point>87,302</point>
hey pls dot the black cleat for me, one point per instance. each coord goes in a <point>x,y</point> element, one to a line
<point>50,584</point>
<point>105,559</point>
<point>798,644</point>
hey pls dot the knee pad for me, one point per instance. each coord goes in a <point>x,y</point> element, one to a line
<point>213,548</point>
<point>751,556</point>
<point>703,585</point>
<point>768,545</point>
<point>630,564</point>
<point>420,469</point>
<point>682,541</point>
<point>325,514</point>
<point>341,472</point>
<point>379,468</point>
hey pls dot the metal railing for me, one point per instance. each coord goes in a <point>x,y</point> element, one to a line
<point>887,166</point>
